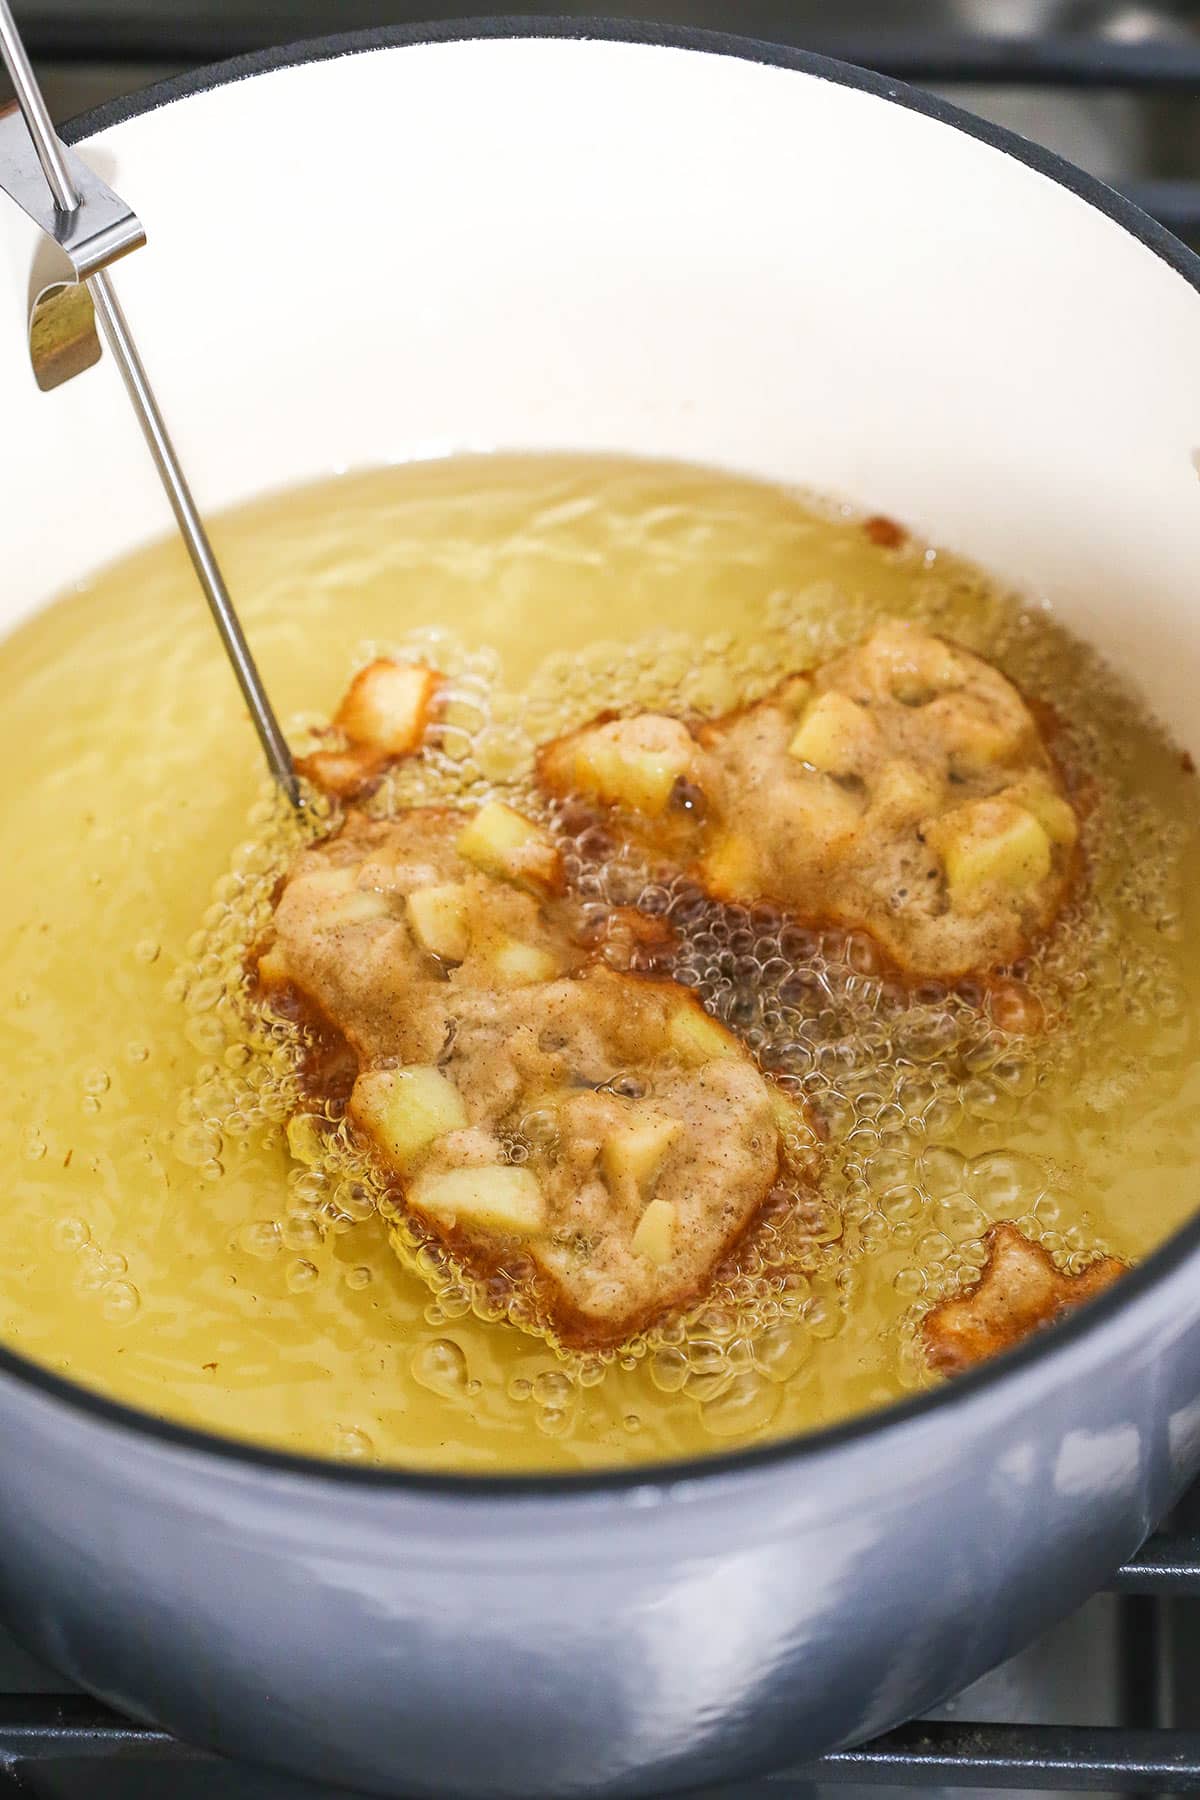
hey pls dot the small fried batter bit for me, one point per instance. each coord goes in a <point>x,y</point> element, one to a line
<point>1019,1290</point>
<point>902,789</point>
<point>593,1135</point>
<point>382,717</point>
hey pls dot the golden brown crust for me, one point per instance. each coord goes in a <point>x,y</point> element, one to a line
<point>604,1051</point>
<point>905,790</point>
<point>1019,1290</point>
<point>349,774</point>
<point>571,1326</point>
<point>382,717</point>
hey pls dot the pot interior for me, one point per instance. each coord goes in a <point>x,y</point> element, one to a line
<point>613,247</point>
<point>604,245</point>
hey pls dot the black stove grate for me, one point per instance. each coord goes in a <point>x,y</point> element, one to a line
<point>61,1745</point>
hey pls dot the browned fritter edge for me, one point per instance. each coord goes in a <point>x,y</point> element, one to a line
<point>364,766</point>
<point>1050,726</point>
<point>327,1073</point>
<point>993,1313</point>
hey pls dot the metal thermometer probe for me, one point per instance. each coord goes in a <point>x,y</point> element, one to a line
<point>93,226</point>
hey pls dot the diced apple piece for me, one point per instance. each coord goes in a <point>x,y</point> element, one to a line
<point>387,706</point>
<point>904,793</point>
<point>335,898</point>
<point>836,735</point>
<point>504,843</point>
<point>355,908</point>
<point>731,865</point>
<point>696,1038</point>
<point>499,1198</point>
<point>318,883</point>
<point>989,848</point>
<point>406,1110</point>
<point>655,1235</point>
<point>633,763</point>
<point>1053,812</point>
<point>517,964</point>
<point>438,917</point>
<point>636,1149</point>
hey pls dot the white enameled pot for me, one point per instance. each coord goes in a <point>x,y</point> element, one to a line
<point>536,236</point>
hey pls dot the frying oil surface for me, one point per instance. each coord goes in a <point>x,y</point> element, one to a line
<point>161,1245</point>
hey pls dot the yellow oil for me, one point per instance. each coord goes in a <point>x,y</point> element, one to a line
<point>158,1243</point>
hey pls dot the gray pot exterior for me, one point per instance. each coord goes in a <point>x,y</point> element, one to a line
<point>443,1638</point>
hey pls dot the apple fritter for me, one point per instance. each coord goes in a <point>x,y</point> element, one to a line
<point>1019,1290</point>
<point>902,789</point>
<point>592,1133</point>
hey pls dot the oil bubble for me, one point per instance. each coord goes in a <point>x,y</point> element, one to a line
<point>552,1388</point>
<point>942,1171</point>
<point>261,1238</point>
<point>197,1145</point>
<point>748,1405</point>
<point>779,1353</point>
<point>301,1231</point>
<point>119,1301</point>
<point>352,1443</point>
<point>823,1317</point>
<point>960,1218</point>
<point>441,1367</point>
<point>90,1274</point>
<point>669,1369</point>
<point>1004,1182</point>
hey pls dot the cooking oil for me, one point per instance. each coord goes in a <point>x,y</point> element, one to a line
<point>161,1243</point>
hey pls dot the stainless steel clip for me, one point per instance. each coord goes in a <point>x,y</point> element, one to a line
<point>92,234</point>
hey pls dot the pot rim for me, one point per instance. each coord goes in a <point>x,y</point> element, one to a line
<point>1001,1373</point>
